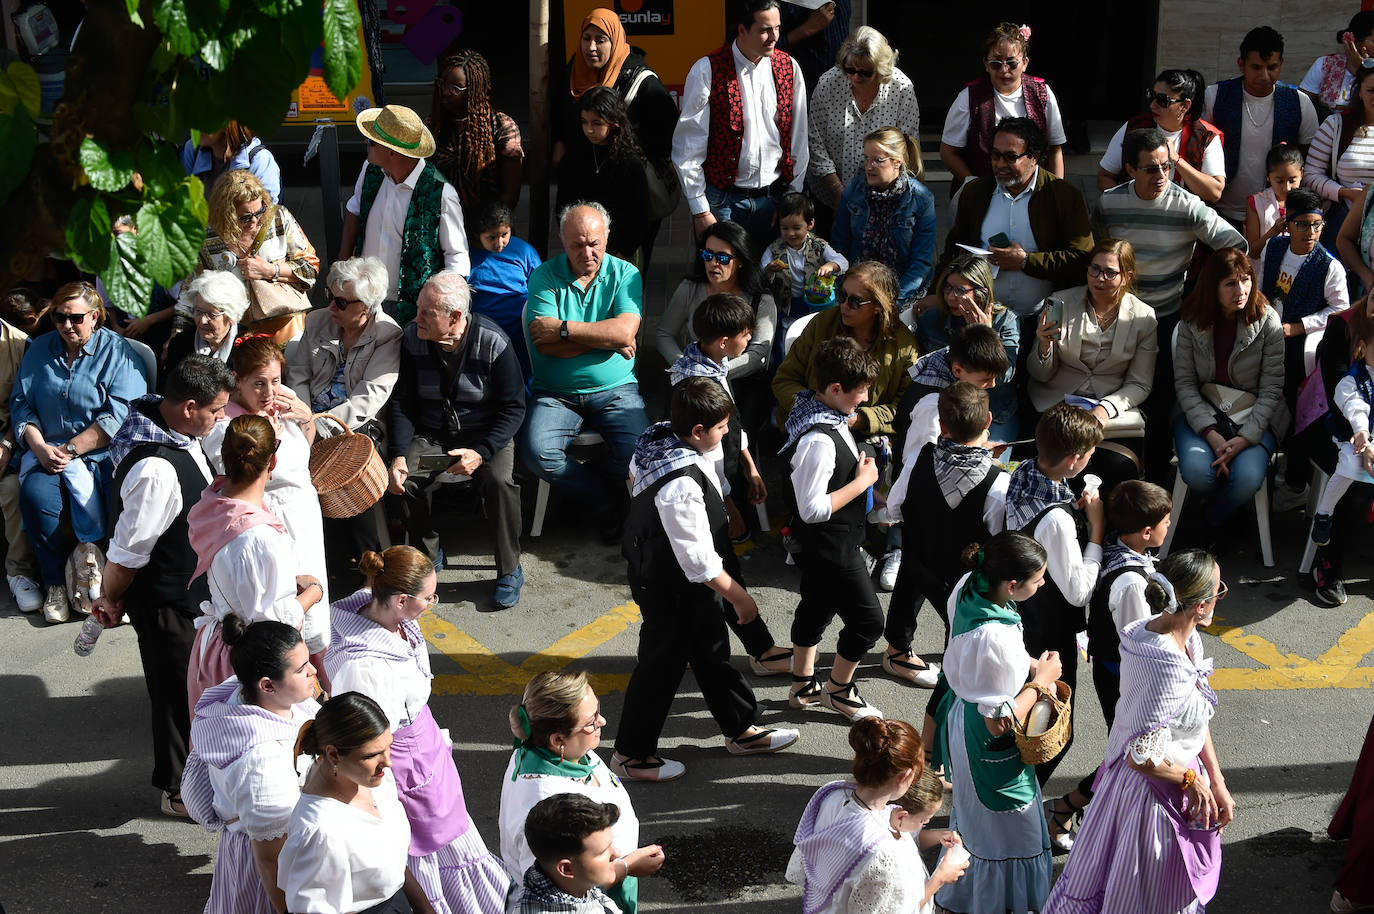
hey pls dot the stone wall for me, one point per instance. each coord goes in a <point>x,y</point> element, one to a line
<point>1205,34</point>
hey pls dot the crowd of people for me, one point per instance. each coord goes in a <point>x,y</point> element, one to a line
<point>987,428</point>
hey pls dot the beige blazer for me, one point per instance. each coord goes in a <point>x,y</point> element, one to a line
<point>12,343</point>
<point>370,373</point>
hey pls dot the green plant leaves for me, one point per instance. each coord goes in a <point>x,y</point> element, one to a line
<point>170,232</point>
<point>159,167</point>
<point>18,140</point>
<point>89,234</point>
<point>343,57</point>
<point>106,169</point>
<point>129,287</point>
<point>19,86</point>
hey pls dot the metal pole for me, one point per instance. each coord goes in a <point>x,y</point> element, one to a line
<point>329,188</point>
<point>537,163</point>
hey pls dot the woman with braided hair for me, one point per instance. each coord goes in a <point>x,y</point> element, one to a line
<point>477,147</point>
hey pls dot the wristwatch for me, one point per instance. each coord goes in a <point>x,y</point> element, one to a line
<point>70,448</point>
<point>563,330</point>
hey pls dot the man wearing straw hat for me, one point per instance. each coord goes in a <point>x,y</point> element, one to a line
<point>402,210</point>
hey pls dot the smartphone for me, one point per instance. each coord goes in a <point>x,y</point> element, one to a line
<point>1054,314</point>
<point>1000,240</point>
<point>434,463</point>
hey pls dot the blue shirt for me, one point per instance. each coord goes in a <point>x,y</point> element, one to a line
<point>65,400</point>
<point>254,157</point>
<point>500,281</point>
<point>616,289</point>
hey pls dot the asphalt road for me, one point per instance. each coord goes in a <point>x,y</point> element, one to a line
<point>80,830</point>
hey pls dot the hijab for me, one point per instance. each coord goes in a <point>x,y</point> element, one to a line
<point>584,77</point>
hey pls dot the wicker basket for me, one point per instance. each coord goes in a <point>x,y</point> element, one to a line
<point>346,471</point>
<point>1041,748</point>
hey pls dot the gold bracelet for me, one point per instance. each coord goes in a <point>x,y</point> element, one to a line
<point>1189,776</point>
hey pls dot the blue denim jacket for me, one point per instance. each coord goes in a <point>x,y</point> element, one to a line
<point>914,231</point>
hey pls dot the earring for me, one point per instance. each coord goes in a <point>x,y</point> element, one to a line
<point>336,771</point>
<point>561,751</point>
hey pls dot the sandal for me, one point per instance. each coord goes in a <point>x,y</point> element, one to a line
<point>653,768</point>
<point>762,742</point>
<point>899,666</point>
<point>848,702</point>
<point>761,667</point>
<point>172,806</point>
<point>808,695</point>
<point>1061,822</point>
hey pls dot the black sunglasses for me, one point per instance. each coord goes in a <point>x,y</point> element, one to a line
<point>720,257</point>
<point>855,71</point>
<point>338,301</point>
<point>1160,99</point>
<point>1011,158</point>
<point>67,317</point>
<point>250,218</point>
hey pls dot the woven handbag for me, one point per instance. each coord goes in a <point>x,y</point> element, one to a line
<point>1042,747</point>
<point>347,472</point>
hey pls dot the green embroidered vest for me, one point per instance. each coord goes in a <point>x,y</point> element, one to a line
<point>421,254</point>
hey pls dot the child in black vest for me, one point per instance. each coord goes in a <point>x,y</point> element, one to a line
<point>723,326</point>
<point>1041,504</point>
<point>957,496</point>
<point>832,485</point>
<point>681,564</point>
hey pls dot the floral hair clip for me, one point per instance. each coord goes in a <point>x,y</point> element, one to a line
<point>1025,32</point>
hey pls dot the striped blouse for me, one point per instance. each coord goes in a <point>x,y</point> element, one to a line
<point>1354,168</point>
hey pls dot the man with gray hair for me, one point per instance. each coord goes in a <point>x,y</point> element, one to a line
<point>458,402</point>
<point>581,321</point>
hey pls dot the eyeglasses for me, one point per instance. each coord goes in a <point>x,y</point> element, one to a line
<point>1160,99</point>
<point>879,161</point>
<point>597,723</point>
<point>1011,158</point>
<point>70,317</point>
<point>206,314</point>
<point>1107,273</point>
<point>1314,225</point>
<point>959,290</point>
<point>1011,63</point>
<point>1161,169</point>
<point>427,602</point>
<point>449,88</point>
<point>721,257</point>
<point>855,301</point>
<point>341,303</point>
<point>250,218</point>
<point>856,71</point>
<point>1220,594</point>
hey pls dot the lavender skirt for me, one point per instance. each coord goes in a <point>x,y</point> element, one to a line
<point>236,887</point>
<point>463,877</point>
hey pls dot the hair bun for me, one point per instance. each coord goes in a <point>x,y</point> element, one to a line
<point>232,629</point>
<point>371,564</point>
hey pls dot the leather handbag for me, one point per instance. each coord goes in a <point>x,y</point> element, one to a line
<point>267,300</point>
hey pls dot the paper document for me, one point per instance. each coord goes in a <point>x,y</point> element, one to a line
<point>981,252</point>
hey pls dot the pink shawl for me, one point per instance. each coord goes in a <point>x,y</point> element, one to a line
<point>217,520</point>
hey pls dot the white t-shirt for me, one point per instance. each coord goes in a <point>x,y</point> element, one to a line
<point>340,859</point>
<point>1013,105</point>
<point>1335,292</point>
<point>1213,157</point>
<point>987,666</point>
<point>1256,139</point>
<point>1312,82</point>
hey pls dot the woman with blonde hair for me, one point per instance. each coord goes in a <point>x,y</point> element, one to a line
<point>886,214</point>
<point>557,727</point>
<point>867,312</point>
<point>378,650</point>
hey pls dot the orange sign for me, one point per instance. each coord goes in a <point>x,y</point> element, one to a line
<point>672,33</point>
<point>313,101</point>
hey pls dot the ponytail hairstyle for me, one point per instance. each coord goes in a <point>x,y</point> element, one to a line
<point>398,570</point>
<point>1008,556</point>
<point>249,445</point>
<point>345,722</point>
<point>258,650</point>
<point>885,749</point>
<point>1181,581</point>
<point>905,149</point>
<point>1190,86</point>
<point>548,707</point>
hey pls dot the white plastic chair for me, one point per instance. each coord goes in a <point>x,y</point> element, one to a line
<point>541,498</point>
<point>145,352</point>
<point>795,331</point>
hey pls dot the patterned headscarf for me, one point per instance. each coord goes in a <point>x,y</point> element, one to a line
<point>584,77</point>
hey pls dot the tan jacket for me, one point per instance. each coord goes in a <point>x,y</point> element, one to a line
<point>1256,365</point>
<point>372,366</point>
<point>12,344</point>
<point>1128,370</point>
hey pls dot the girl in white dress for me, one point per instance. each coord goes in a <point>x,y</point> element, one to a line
<point>239,779</point>
<point>345,850</point>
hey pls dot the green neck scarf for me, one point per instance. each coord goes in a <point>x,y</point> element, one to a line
<point>537,760</point>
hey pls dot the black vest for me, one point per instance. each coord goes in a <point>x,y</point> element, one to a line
<point>938,534</point>
<point>1048,618</point>
<point>166,579</point>
<point>835,539</point>
<point>1103,639</point>
<point>646,547</point>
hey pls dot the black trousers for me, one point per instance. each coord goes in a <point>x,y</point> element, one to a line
<point>681,626</point>
<point>164,646</point>
<point>914,584</point>
<point>345,541</point>
<point>1159,407</point>
<point>500,496</point>
<point>830,589</point>
<point>1055,635</point>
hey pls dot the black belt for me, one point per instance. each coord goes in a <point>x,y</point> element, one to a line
<point>751,192</point>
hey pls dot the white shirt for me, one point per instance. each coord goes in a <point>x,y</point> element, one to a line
<point>387,218</point>
<point>1213,157</point>
<point>760,154</point>
<point>987,666</point>
<point>339,859</point>
<point>261,788</point>
<point>401,688</point>
<point>812,465</point>
<point>151,494</point>
<point>519,795</point>
<point>837,126</point>
<point>254,576</point>
<point>994,505</point>
<point>681,508</point>
<point>1335,292</point>
<point>1073,570</point>
<point>1256,139</point>
<point>1013,105</point>
<point>1011,214</point>
<point>1312,81</point>
<point>1353,406</point>
<point>1126,599</point>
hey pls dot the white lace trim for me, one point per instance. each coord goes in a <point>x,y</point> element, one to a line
<point>1152,747</point>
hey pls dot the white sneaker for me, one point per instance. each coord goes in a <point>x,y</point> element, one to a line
<point>887,570</point>
<point>1285,499</point>
<point>869,561</point>
<point>26,593</point>
<point>55,608</point>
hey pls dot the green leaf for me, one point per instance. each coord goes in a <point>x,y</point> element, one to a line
<point>343,57</point>
<point>173,18</point>
<point>89,234</point>
<point>134,17</point>
<point>18,140</point>
<point>171,231</point>
<point>274,61</point>
<point>106,170</point>
<point>280,9</point>
<point>159,167</point>
<point>126,279</point>
<point>19,86</point>
<point>213,53</point>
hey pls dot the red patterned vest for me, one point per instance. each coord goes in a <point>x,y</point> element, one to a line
<point>982,115</point>
<point>726,134</point>
<point>1193,140</point>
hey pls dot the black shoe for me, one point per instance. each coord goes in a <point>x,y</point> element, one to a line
<point>1330,589</point>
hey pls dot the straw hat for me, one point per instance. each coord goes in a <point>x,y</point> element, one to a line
<point>399,129</point>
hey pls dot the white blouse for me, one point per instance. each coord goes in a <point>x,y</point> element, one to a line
<point>988,666</point>
<point>260,790</point>
<point>291,475</point>
<point>1013,105</point>
<point>401,688</point>
<point>1353,169</point>
<point>339,859</point>
<point>254,576</point>
<point>837,127</point>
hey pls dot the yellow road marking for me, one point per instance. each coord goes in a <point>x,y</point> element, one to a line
<point>1337,668</point>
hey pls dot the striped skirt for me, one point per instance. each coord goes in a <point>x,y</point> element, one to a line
<point>462,877</point>
<point>236,887</point>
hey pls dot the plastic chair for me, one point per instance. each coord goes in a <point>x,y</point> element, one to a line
<point>541,498</point>
<point>794,331</point>
<point>145,352</point>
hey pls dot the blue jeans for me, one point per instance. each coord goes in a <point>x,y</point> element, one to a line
<point>755,214</point>
<point>1248,470</point>
<point>554,420</point>
<point>42,501</point>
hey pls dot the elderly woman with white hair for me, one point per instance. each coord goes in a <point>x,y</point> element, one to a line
<point>861,93</point>
<point>217,301</point>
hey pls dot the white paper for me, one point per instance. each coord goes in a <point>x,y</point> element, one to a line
<point>981,252</point>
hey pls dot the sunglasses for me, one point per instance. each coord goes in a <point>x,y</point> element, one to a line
<point>341,303</point>
<point>1011,63</point>
<point>855,301</point>
<point>1011,158</point>
<point>68,317</point>
<point>720,257</point>
<point>1162,169</point>
<point>250,218</point>
<point>855,71</point>
<point>1160,99</point>
<point>449,88</point>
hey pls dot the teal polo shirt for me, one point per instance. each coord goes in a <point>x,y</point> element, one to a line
<point>617,289</point>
